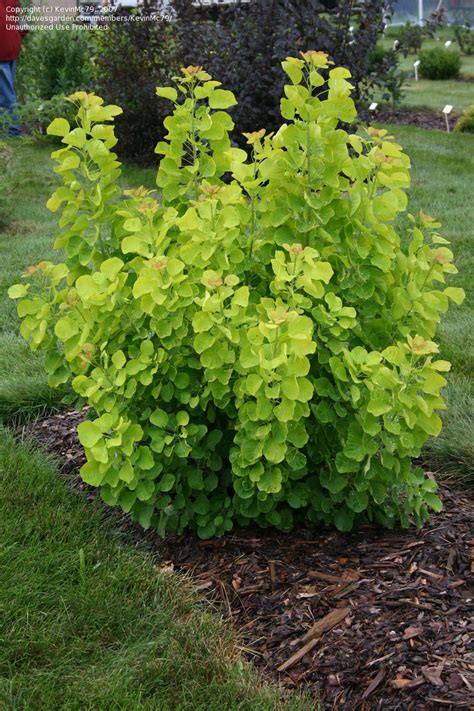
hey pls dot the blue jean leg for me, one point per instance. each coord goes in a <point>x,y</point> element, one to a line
<point>8,97</point>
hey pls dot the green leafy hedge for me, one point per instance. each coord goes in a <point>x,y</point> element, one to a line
<point>253,341</point>
<point>440,63</point>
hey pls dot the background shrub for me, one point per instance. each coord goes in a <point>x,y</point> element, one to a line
<point>465,123</point>
<point>411,37</point>
<point>51,65</point>
<point>55,62</point>
<point>440,63</point>
<point>36,114</point>
<point>465,38</point>
<point>255,344</point>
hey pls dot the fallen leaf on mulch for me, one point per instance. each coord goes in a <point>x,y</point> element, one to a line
<point>433,676</point>
<point>401,683</point>
<point>406,642</point>
<point>411,632</point>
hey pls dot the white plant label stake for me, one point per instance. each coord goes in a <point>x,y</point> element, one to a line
<point>373,107</point>
<point>446,111</point>
<point>416,65</point>
<point>448,43</point>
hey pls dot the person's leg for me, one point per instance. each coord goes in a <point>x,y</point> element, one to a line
<point>9,119</point>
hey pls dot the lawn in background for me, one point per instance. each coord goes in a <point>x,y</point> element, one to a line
<point>434,95</point>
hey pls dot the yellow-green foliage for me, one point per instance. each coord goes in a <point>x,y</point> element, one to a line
<point>465,123</point>
<point>253,340</point>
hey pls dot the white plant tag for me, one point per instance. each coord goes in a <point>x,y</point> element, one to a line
<point>416,65</point>
<point>446,111</point>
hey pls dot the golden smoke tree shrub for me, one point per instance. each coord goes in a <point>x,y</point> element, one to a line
<point>254,339</point>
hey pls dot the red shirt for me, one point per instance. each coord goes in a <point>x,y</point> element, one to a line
<point>10,35</point>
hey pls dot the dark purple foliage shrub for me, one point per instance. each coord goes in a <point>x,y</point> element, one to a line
<point>133,58</point>
<point>241,45</point>
<point>238,43</point>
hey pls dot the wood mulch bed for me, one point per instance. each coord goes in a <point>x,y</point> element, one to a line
<point>371,620</point>
<point>422,118</point>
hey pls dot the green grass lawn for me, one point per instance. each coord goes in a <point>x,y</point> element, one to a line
<point>22,384</point>
<point>88,622</point>
<point>434,95</point>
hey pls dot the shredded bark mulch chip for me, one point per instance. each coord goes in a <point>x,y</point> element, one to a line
<point>371,620</point>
